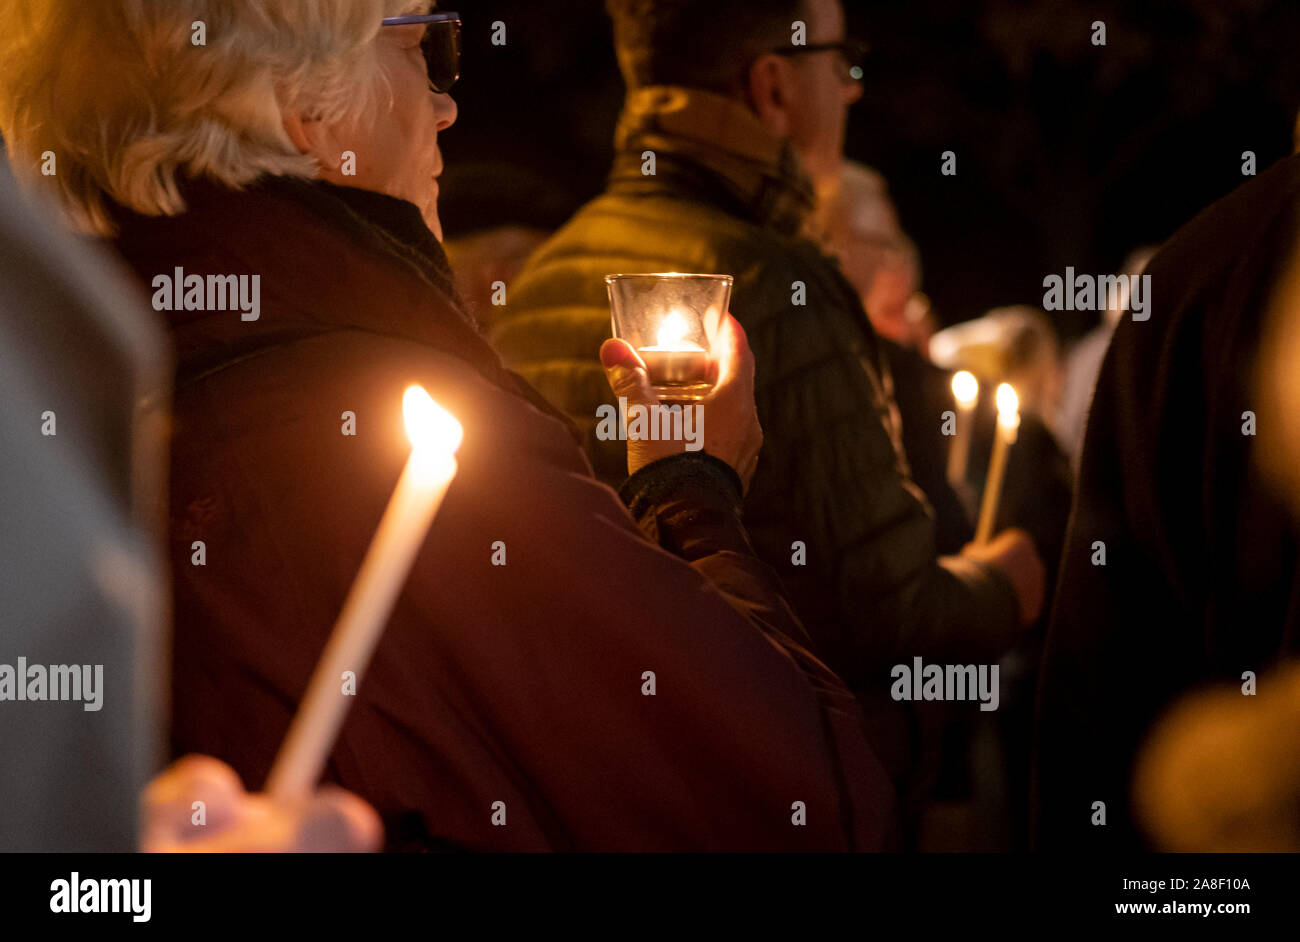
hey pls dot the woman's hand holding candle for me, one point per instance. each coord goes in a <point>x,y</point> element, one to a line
<point>1013,554</point>
<point>1012,551</point>
<point>731,429</point>
<point>328,820</point>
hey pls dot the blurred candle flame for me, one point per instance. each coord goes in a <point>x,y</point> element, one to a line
<point>965,387</point>
<point>1008,404</point>
<point>673,330</point>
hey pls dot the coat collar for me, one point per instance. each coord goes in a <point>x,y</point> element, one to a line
<point>328,258</point>
<point>695,133</point>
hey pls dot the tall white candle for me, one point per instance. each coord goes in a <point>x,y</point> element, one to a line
<point>435,435</point>
<point>966,391</point>
<point>1008,423</point>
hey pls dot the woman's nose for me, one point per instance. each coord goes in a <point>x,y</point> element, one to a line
<point>444,111</point>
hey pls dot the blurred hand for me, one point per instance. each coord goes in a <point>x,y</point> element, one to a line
<point>330,821</point>
<point>731,431</point>
<point>1012,553</point>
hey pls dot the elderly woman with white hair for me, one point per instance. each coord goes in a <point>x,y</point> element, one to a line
<point>559,672</point>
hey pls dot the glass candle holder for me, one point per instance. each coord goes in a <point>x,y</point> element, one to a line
<point>671,319</point>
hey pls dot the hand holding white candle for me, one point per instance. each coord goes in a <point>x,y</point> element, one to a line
<point>966,391</point>
<point>1008,423</point>
<point>435,435</point>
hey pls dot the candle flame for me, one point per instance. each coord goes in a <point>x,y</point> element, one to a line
<point>965,387</point>
<point>430,427</point>
<point>673,330</point>
<point>1008,402</point>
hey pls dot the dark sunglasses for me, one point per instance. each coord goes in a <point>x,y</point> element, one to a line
<point>852,51</point>
<point>440,45</point>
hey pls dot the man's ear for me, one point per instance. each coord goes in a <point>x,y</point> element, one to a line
<point>315,139</point>
<point>770,92</point>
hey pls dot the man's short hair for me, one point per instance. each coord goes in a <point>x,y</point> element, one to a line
<point>697,43</point>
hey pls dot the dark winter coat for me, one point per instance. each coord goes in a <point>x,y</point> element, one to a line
<point>1180,566</point>
<point>524,683</point>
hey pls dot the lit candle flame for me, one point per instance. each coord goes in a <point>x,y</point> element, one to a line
<point>1008,404</point>
<point>434,432</point>
<point>965,387</point>
<point>673,330</point>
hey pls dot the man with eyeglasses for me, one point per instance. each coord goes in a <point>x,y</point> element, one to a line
<point>734,120</point>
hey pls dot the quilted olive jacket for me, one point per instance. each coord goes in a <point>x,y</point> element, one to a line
<point>833,506</point>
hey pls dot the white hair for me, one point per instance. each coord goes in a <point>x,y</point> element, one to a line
<point>126,102</point>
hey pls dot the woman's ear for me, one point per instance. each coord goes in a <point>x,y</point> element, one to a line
<point>770,91</point>
<point>314,138</point>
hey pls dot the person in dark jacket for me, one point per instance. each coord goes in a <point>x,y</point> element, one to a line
<point>740,123</point>
<point>559,673</point>
<point>1181,566</point>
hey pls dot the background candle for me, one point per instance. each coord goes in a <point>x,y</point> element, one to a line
<point>1008,423</point>
<point>966,391</point>
<point>435,435</point>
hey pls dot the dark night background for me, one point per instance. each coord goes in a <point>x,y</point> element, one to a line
<point>1067,153</point>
